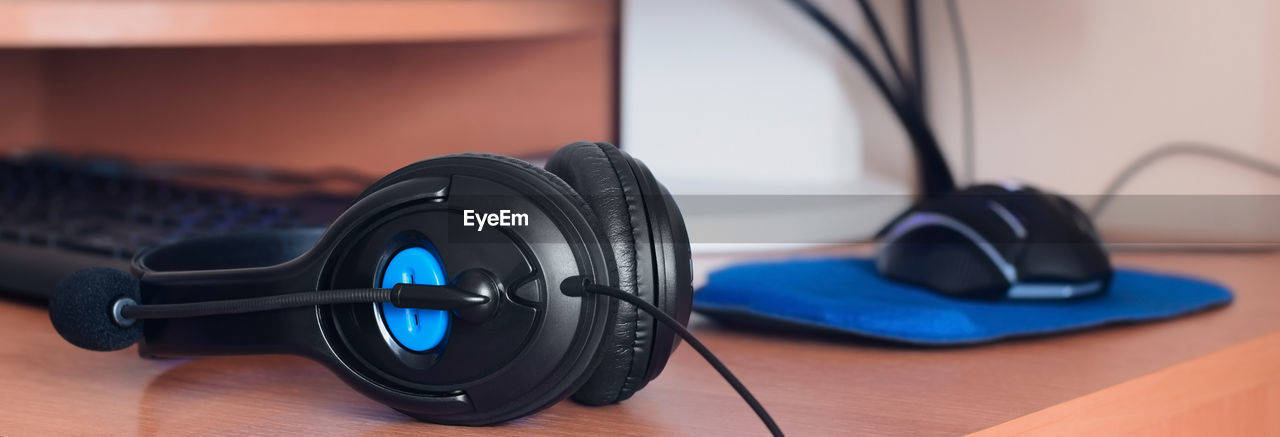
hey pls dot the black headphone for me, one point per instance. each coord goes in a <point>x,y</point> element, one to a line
<point>490,242</point>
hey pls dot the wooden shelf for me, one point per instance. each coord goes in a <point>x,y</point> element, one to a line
<point>306,84</point>
<point>146,23</point>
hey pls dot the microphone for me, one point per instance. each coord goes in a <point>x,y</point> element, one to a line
<point>98,308</point>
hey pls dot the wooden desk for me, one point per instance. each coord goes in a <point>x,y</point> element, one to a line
<point>1189,375</point>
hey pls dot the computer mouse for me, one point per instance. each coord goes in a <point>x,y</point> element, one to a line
<point>996,242</point>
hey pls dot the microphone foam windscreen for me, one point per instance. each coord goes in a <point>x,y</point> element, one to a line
<point>81,309</point>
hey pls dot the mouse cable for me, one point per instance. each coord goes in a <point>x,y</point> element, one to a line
<point>914,87</point>
<point>872,18</point>
<point>579,285</point>
<point>917,86</point>
<point>1168,150</point>
<point>912,12</point>
<point>966,90</point>
<point>935,176</point>
<point>860,57</point>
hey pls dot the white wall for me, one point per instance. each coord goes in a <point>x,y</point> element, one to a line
<point>741,96</point>
<point>749,97</point>
<point>748,92</point>
<point>1068,92</point>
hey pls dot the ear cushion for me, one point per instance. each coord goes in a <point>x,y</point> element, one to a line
<point>603,176</point>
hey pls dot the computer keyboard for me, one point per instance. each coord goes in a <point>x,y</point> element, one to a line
<point>58,215</point>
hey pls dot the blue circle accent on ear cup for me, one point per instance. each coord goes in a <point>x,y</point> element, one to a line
<point>415,329</point>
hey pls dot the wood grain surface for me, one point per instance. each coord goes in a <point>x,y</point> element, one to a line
<point>149,23</point>
<point>368,108</point>
<point>814,385</point>
<point>1233,392</point>
<point>367,104</point>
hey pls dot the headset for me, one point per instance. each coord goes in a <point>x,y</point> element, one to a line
<point>467,289</point>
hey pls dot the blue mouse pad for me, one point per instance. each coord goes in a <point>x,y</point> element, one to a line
<point>846,295</point>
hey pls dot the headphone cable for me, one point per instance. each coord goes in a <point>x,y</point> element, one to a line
<point>580,285</point>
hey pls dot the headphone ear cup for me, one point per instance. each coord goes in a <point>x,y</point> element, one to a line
<point>605,178</point>
<point>481,164</point>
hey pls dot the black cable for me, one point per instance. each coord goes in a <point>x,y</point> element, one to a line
<point>855,51</point>
<point>578,285</point>
<point>436,297</point>
<point>872,18</point>
<point>935,176</point>
<point>1173,149</point>
<point>1176,149</point>
<point>966,90</point>
<point>256,304</point>
<point>915,45</point>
